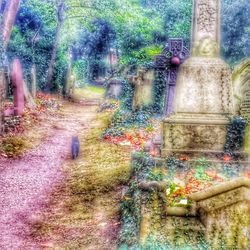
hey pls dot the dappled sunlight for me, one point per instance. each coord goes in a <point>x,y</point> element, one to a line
<point>124,124</point>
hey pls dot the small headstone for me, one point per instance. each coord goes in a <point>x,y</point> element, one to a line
<point>114,88</point>
<point>2,98</point>
<point>18,88</point>
<point>143,88</point>
<point>33,81</point>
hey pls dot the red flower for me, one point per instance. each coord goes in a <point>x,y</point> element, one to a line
<point>226,158</point>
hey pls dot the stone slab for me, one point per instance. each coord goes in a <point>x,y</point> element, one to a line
<point>194,134</point>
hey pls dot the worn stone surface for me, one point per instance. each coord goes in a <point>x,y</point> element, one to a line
<point>194,134</point>
<point>33,81</point>
<point>206,26</point>
<point>227,217</point>
<point>143,95</point>
<point>204,86</point>
<point>2,98</point>
<point>18,88</point>
<point>114,88</point>
<point>204,93</point>
<point>241,85</point>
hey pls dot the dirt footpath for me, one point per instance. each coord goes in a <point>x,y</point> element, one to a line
<point>26,183</point>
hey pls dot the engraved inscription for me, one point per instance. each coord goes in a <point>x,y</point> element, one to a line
<point>206,16</point>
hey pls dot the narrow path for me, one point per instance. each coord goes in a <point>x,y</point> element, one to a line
<point>25,184</point>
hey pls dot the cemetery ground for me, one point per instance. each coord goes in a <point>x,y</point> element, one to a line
<point>53,202</point>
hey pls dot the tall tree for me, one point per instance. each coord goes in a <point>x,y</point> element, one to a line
<point>8,20</point>
<point>60,12</point>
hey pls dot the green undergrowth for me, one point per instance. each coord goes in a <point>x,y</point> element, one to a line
<point>122,120</point>
<point>235,135</point>
<point>14,146</point>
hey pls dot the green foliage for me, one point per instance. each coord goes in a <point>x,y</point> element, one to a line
<point>131,215</point>
<point>60,71</point>
<point>155,175</point>
<point>32,37</point>
<point>127,95</point>
<point>235,135</point>
<point>141,56</point>
<point>235,45</point>
<point>159,92</point>
<point>13,146</point>
<point>80,68</point>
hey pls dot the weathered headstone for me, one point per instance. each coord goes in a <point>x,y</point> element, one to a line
<point>169,61</point>
<point>241,83</point>
<point>18,88</point>
<point>143,88</point>
<point>2,98</point>
<point>114,88</point>
<point>33,81</point>
<point>204,94</point>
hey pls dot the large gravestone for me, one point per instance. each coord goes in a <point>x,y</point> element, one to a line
<point>18,87</point>
<point>143,82</point>
<point>204,95</point>
<point>241,83</point>
<point>2,98</point>
<point>168,62</point>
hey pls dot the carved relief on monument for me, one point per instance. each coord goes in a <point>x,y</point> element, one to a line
<point>204,86</point>
<point>206,47</point>
<point>195,137</point>
<point>241,84</point>
<point>207,16</point>
<point>245,103</point>
<point>206,28</point>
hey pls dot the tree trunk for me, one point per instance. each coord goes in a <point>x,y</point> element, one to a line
<point>60,12</point>
<point>9,17</point>
<point>6,24</point>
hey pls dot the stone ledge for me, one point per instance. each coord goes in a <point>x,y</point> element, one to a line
<point>242,182</point>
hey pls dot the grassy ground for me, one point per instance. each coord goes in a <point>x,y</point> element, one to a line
<point>89,92</point>
<point>84,212</point>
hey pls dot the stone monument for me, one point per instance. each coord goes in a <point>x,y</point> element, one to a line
<point>241,84</point>
<point>173,55</point>
<point>114,88</point>
<point>2,98</point>
<point>203,98</point>
<point>18,87</point>
<point>143,88</point>
<point>33,81</point>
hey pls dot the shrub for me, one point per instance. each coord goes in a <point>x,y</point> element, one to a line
<point>13,146</point>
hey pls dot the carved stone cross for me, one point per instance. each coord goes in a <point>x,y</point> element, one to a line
<point>169,61</point>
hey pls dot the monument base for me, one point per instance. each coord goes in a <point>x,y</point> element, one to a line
<point>194,134</point>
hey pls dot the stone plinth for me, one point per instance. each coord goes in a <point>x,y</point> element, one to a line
<point>203,100</point>
<point>194,133</point>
